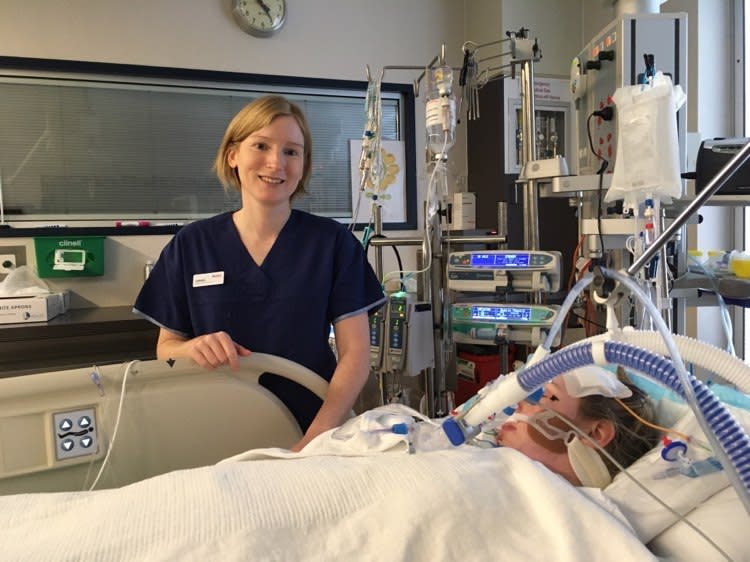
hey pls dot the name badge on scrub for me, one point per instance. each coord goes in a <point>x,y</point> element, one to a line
<point>206,279</point>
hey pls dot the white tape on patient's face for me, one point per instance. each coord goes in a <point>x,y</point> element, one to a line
<point>541,422</point>
<point>588,465</point>
<point>590,379</point>
<point>207,279</point>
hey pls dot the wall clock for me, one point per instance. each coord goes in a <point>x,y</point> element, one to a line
<point>260,18</point>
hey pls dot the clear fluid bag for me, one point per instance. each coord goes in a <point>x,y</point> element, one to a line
<point>647,160</point>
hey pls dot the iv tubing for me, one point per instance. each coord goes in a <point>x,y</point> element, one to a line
<point>734,444</point>
<point>567,304</point>
<point>726,321</point>
<point>128,370</point>
<point>674,353</point>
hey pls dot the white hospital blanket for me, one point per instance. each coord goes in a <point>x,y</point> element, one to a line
<point>460,504</point>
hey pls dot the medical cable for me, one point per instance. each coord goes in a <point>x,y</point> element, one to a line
<point>680,517</point>
<point>567,304</point>
<point>588,322</point>
<point>571,277</point>
<point>669,431</point>
<point>395,250</point>
<point>635,289</point>
<point>686,379</point>
<point>606,114</point>
<point>128,370</point>
<point>96,378</point>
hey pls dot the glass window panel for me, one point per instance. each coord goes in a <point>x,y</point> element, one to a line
<point>96,147</point>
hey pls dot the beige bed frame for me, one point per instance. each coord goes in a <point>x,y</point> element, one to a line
<point>174,416</point>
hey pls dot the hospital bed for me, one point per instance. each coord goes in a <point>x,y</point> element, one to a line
<point>465,503</point>
<point>172,415</point>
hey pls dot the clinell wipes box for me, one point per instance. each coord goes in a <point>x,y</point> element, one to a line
<point>35,308</point>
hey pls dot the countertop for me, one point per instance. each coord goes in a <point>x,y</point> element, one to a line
<point>78,322</point>
<point>78,338</point>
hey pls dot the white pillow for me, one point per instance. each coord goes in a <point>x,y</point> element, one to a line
<point>680,492</point>
<point>722,517</point>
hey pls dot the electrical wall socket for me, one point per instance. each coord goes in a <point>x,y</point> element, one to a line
<point>7,263</point>
<point>15,255</point>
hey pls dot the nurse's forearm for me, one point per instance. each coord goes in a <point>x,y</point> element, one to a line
<point>348,381</point>
<point>171,346</point>
<point>208,350</point>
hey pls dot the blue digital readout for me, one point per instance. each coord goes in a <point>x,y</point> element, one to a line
<point>501,313</point>
<point>500,260</point>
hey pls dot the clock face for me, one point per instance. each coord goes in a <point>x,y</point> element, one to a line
<point>261,18</point>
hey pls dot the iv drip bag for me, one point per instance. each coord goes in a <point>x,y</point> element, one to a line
<point>647,162</point>
<point>440,110</point>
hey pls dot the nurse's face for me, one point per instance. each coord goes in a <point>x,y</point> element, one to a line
<point>270,161</point>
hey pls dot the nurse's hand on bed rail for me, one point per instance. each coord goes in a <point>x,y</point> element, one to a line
<point>213,350</point>
<point>209,350</point>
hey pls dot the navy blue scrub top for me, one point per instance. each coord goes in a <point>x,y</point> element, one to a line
<point>315,274</point>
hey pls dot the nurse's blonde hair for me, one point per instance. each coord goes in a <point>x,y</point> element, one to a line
<point>251,118</point>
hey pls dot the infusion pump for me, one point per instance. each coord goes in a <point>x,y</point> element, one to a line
<point>401,336</point>
<point>489,323</point>
<point>512,270</point>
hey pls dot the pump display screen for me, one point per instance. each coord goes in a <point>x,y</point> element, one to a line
<point>500,260</point>
<point>500,313</point>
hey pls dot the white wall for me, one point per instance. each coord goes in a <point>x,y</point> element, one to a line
<point>321,39</point>
<point>557,24</point>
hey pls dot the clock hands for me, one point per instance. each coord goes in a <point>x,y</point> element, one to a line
<point>266,9</point>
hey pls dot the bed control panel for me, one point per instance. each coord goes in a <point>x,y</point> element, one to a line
<point>75,433</point>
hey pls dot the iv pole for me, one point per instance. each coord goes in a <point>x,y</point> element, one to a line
<point>524,52</point>
<point>431,285</point>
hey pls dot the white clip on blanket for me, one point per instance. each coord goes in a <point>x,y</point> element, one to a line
<point>460,504</point>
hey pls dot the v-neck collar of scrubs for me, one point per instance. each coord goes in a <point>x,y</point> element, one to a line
<point>283,233</point>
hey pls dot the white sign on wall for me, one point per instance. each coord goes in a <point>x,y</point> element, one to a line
<point>552,105</point>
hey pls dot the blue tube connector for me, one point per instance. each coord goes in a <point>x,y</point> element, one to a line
<point>454,430</point>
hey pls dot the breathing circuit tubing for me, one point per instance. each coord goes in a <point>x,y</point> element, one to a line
<point>703,410</point>
<point>734,444</point>
<point>699,353</point>
<point>694,351</point>
<point>730,443</point>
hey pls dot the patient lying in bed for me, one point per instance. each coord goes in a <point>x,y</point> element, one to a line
<point>619,422</point>
<point>341,498</point>
<point>580,413</point>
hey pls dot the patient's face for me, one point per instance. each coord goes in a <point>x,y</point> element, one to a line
<point>521,436</point>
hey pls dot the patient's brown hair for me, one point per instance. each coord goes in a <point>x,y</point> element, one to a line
<point>633,438</point>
